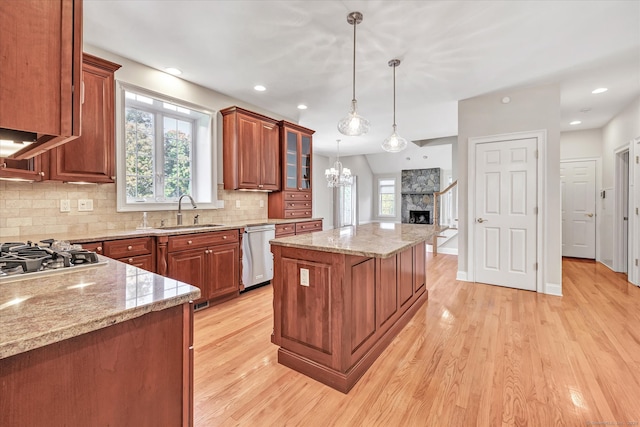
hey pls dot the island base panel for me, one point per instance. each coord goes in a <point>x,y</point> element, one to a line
<point>340,381</point>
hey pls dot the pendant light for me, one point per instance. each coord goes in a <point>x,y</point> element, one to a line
<point>337,176</point>
<point>395,142</point>
<point>354,124</point>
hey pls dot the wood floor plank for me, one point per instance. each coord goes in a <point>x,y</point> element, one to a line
<point>474,354</point>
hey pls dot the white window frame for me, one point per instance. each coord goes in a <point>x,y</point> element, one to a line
<point>204,166</point>
<point>379,179</point>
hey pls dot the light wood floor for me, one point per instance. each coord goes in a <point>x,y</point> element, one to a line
<point>472,355</point>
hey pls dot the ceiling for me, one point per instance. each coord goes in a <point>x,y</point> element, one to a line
<point>450,50</point>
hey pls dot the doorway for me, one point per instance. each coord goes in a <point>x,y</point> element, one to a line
<point>345,204</point>
<point>578,183</point>
<point>621,240</point>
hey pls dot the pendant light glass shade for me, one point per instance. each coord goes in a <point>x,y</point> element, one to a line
<point>395,142</point>
<point>354,124</point>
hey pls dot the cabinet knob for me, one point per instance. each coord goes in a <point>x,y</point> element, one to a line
<point>129,248</point>
<point>99,249</point>
<point>206,251</point>
<point>224,237</point>
<point>260,185</point>
<point>4,165</point>
<point>293,196</point>
<point>306,213</point>
<point>189,242</point>
<point>130,260</point>
<point>299,188</point>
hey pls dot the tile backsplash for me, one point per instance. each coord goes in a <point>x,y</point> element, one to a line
<point>34,209</point>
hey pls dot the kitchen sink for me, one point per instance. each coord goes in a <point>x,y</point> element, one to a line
<point>187,226</point>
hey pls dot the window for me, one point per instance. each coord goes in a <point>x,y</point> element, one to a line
<point>165,150</point>
<point>387,197</point>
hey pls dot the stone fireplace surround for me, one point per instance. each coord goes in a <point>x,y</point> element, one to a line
<point>417,188</point>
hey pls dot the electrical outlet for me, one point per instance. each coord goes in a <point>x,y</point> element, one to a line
<point>262,203</point>
<point>85,205</point>
<point>65,205</point>
<point>304,276</point>
<point>237,203</point>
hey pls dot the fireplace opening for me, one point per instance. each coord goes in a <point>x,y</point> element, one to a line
<point>419,217</point>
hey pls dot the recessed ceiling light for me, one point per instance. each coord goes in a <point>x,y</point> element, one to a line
<point>173,71</point>
<point>260,88</point>
<point>575,122</point>
<point>506,100</point>
<point>600,90</point>
<point>302,107</point>
<point>585,110</point>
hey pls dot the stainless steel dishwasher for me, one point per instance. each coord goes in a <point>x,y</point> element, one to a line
<point>257,259</point>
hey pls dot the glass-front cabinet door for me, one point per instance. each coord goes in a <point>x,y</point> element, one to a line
<point>298,161</point>
<point>291,158</point>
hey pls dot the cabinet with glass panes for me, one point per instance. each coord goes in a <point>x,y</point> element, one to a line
<point>294,201</point>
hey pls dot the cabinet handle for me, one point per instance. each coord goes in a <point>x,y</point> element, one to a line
<point>189,242</point>
<point>260,185</point>
<point>306,213</point>
<point>224,237</point>
<point>206,251</point>
<point>129,248</point>
<point>306,195</point>
<point>99,249</point>
<point>41,173</point>
<point>293,196</point>
<point>130,260</point>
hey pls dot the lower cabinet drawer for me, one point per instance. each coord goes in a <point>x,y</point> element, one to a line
<point>283,230</point>
<point>201,240</point>
<point>128,247</point>
<point>297,213</point>
<point>141,261</point>
<point>298,205</point>
<point>308,226</point>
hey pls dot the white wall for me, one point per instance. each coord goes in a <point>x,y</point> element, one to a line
<point>536,108</point>
<point>581,144</point>
<point>322,195</point>
<point>360,168</point>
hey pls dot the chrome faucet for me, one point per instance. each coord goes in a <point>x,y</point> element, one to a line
<point>180,206</point>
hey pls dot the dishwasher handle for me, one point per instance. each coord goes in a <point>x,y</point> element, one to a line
<point>259,228</point>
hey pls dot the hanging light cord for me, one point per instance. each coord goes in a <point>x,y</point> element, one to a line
<point>355,24</point>
<point>394,96</point>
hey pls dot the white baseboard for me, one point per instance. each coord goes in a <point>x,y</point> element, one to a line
<point>446,251</point>
<point>462,276</point>
<point>553,289</point>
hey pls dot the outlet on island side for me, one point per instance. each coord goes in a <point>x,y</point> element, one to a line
<point>304,277</point>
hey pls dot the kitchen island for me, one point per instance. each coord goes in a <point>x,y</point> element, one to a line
<point>101,344</point>
<point>340,296</point>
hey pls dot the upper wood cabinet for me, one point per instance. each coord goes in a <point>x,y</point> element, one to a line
<point>28,169</point>
<point>91,157</point>
<point>296,151</point>
<point>250,151</point>
<point>40,79</point>
<point>296,156</point>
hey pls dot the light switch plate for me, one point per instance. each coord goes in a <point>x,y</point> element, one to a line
<point>304,276</point>
<point>85,205</point>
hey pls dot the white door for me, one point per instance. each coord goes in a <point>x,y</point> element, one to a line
<point>505,217</point>
<point>578,180</point>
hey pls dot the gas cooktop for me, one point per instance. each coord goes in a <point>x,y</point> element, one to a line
<point>26,259</point>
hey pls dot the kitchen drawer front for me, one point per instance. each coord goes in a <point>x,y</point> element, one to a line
<point>296,196</point>
<point>190,241</point>
<point>96,247</point>
<point>308,226</point>
<point>128,247</point>
<point>283,230</point>
<point>141,261</point>
<point>298,204</point>
<point>297,213</point>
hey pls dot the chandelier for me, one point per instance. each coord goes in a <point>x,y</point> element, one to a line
<point>395,142</point>
<point>354,124</point>
<point>338,176</point>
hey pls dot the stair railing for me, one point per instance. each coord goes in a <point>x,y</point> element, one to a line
<point>445,210</point>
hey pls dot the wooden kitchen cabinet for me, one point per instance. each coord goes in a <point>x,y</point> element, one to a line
<point>91,157</point>
<point>209,261</point>
<point>308,226</point>
<point>139,251</point>
<point>40,76</point>
<point>250,150</point>
<point>294,201</point>
<point>28,169</point>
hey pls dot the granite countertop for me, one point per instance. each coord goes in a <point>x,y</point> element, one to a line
<point>380,240</point>
<point>167,231</point>
<point>43,308</point>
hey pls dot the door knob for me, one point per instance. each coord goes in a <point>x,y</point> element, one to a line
<point>590,215</point>
<point>480,220</point>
